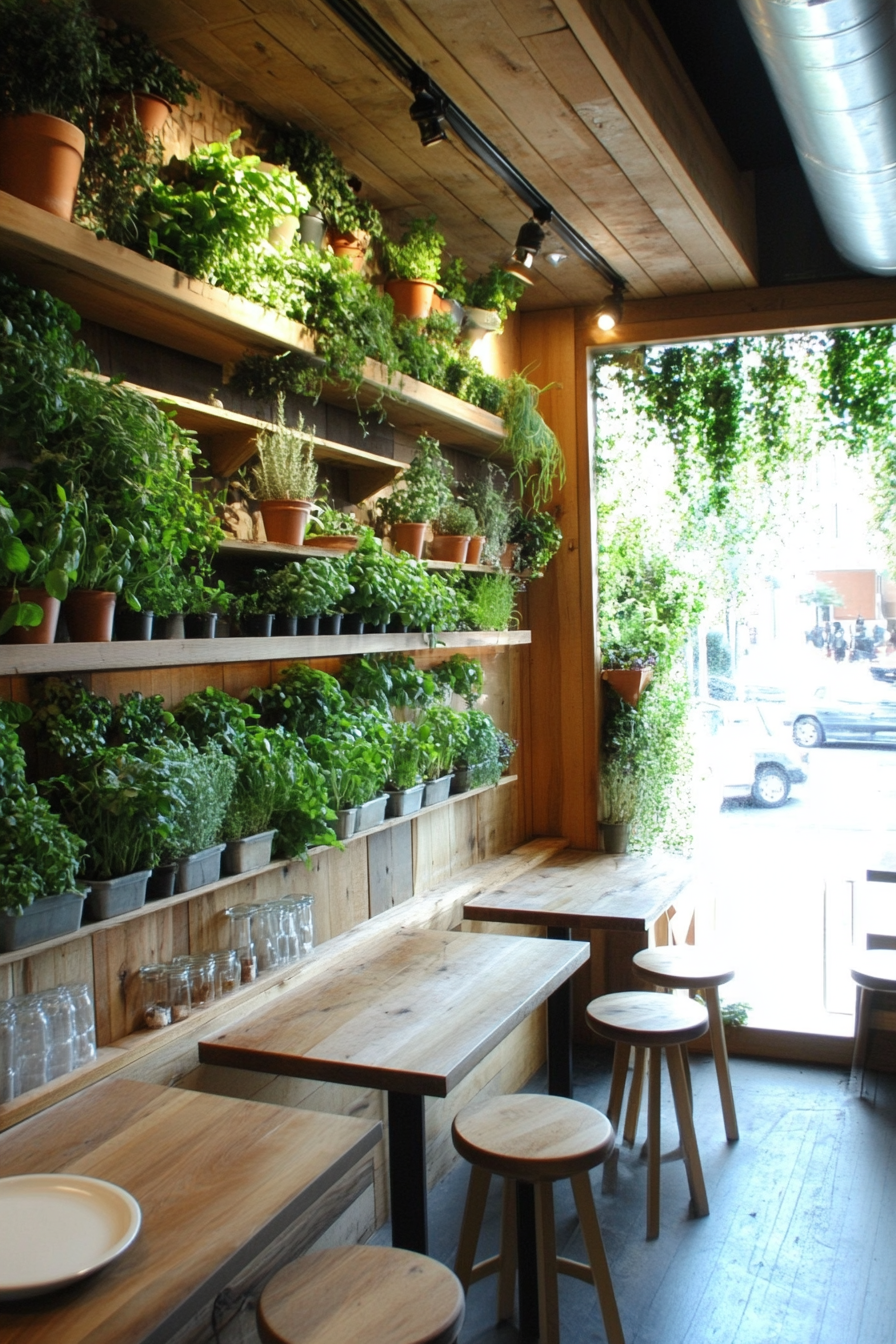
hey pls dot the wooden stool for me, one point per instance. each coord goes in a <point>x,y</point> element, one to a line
<point>536,1140</point>
<point>356,1293</point>
<point>694,968</point>
<point>655,1022</point>
<point>874,970</point>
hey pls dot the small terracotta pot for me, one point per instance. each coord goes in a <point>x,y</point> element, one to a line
<point>285,520</point>
<point>44,633</point>
<point>474,550</point>
<point>352,246</point>
<point>509,554</point>
<point>629,682</point>
<point>40,161</point>
<point>411,298</point>
<point>89,616</point>
<point>150,110</point>
<point>337,542</point>
<point>409,537</point>
<point>449,548</point>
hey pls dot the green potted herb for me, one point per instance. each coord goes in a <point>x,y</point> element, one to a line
<point>301,593</point>
<point>619,793</point>
<point>538,462</point>
<point>446,733</point>
<point>412,755</point>
<point>413,266</point>
<point>452,293</point>
<point>490,500</point>
<point>251,606</point>
<point>352,220</point>
<point>452,530</point>
<point>488,300</point>
<point>461,676</point>
<point>203,783</point>
<point>133,68</point>
<point>261,788</point>
<point>284,479</point>
<point>330,528</point>
<point>538,538</point>
<point>373,595</point>
<point>40,538</point>
<point>489,601</point>
<point>423,490</point>
<point>355,771</point>
<point>478,760</point>
<point>69,720</point>
<point>49,86</point>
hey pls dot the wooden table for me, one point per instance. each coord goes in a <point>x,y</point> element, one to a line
<point>622,894</point>
<point>411,1012</point>
<point>216,1180</point>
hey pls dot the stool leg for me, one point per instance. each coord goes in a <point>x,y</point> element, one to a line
<point>597,1257</point>
<point>507,1266</point>
<point>653,1142</point>
<point>471,1225</point>
<point>720,1055</point>
<point>548,1300</point>
<point>686,1132</point>
<point>863,1023</point>
<point>614,1110</point>
<point>633,1110</point>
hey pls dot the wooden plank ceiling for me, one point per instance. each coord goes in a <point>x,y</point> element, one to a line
<point>585,97</point>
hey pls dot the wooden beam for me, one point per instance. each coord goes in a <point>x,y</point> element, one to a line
<point>861,302</point>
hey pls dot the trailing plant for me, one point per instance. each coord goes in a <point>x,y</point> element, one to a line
<point>462,676</point>
<point>480,753</point>
<point>488,601</point>
<point>69,720</point>
<point>538,463</point>
<point>424,488</point>
<point>131,64</point>
<point>286,468</point>
<point>539,539</point>
<point>418,255</point>
<point>330,185</point>
<point>490,500</point>
<point>49,59</point>
<point>456,520</point>
<point>39,855</point>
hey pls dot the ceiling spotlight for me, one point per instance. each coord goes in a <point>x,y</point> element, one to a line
<point>514,268</point>
<point>555,258</point>
<point>609,314</point>
<point>428,111</point>
<point>530,238</point>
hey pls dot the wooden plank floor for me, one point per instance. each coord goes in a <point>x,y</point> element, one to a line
<point>799,1244</point>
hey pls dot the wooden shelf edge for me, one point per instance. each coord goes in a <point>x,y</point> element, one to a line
<point>273,549</point>
<point>36,659</point>
<point>196,893</point>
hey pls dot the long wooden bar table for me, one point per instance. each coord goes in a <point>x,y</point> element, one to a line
<point>409,1012</point>
<point>216,1181</point>
<point>623,894</point>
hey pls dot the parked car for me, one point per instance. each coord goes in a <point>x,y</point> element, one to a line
<point>863,713</point>
<point>746,756</point>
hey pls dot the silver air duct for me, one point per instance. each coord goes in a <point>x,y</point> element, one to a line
<point>832,64</point>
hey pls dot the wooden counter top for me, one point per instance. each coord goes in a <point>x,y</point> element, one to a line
<point>216,1180</point>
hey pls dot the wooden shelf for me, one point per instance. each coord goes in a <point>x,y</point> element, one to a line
<point>123,290</point>
<point>25,659</point>
<point>276,550</point>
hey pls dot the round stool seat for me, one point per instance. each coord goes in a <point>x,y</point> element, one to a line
<point>639,1017</point>
<point>682,967</point>
<point>532,1138</point>
<point>876,969</point>
<point>362,1293</point>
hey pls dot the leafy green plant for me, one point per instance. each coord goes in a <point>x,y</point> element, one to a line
<point>538,462</point>
<point>412,755</point>
<point>480,752</point>
<point>213,716</point>
<point>418,255</point>
<point>262,782</point>
<point>373,594</point>
<point>131,64</point>
<point>539,539</point>
<point>303,701</point>
<point>12,755</point>
<point>40,537</point>
<point>619,788</point>
<point>488,601</point>
<point>423,490</point>
<point>446,732</point>
<point>307,587</point>
<point>49,59</point>
<point>507,745</point>
<point>303,817</point>
<point>355,768</point>
<point>121,162</point>
<point>69,720</point>
<point>330,185</point>
<point>39,854</point>
<point>490,500</point>
<point>286,468</point>
<point>328,521</point>
<point>390,681</point>
<point>203,784</point>
<point>456,520</point>
<point>461,675</point>
<point>497,291</point>
<point>143,721</point>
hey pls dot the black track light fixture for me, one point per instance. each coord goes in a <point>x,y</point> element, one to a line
<point>428,111</point>
<point>609,314</point>
<point>530,238</point>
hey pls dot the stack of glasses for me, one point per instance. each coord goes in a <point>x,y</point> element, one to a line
<point>43,1036</point>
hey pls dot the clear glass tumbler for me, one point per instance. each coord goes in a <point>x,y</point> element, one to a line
<point>7,1051</point>
<point>179,991</point>
<point>266,935</point>
<point>305,919</point>
<point>60,1014</point>
<point>32,1043</point>
<point>85,1024</point>
<point>240,917</point>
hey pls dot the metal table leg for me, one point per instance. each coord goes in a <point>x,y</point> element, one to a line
<point>560,1031</point>
<point>527,1261</point>
<point>407,1172</point>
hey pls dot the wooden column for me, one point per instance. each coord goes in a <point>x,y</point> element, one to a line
<point>561,699</point>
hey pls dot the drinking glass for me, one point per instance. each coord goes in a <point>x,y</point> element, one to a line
<point>240,917</point>
<point>32,1043</point>
<point>85,1028</point>
<point>60,1014</point>
<point>266,936</point>
<point>305,918</point>
<point>7,1052</point>
<point>226,966</point>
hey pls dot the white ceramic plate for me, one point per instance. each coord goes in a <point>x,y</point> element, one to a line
<point>57,1229</point>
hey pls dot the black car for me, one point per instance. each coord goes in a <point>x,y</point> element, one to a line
<point>866,714</point>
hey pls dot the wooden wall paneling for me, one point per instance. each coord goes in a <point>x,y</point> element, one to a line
<point>561,724</point>
<point>118,953</point>
<point>497,822</point>
<point>390,867</point>
<point>8,988</point>
<point>433,838</point>
<point>69,964</point>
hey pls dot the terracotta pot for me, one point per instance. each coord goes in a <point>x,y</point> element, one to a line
<point>453,309</point>
<point>44,633</point>
<point>285,520</point>
<point>283,232</point>
<point>150,110</point>
<point>411,298</point>
<point>474,550</point>
<point>449,548</point>
<point>334,543</point>
<point>409,537</point>
<point>629,682</point>
<point>352,246</point>
<point>89,616</point>
<point>40,161</point>
<point>509,553</point>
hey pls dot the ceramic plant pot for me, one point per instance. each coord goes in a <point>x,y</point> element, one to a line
<point>411,298</point>
<point>283,232</point>
<point>409,537</point>
<point>341,544</point>
<point>352,246</point>
<point>313,228</point>
<point>474,550</point>
<point>451,548</point>
<point>40,161</point>
<point>285,520</point>
<point>629,682</point>
<point>45,633</point>
<point>89,615</point>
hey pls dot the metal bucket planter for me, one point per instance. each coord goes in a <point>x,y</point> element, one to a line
<point>346,822</point>
<point>404,802</point>
<point>50,917</point>
<point>437,790</point>
<point>117,895</point>
<point>373,812</point>
<point>614,836</point>
<point>198,870</point>
<point>253,851</point>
